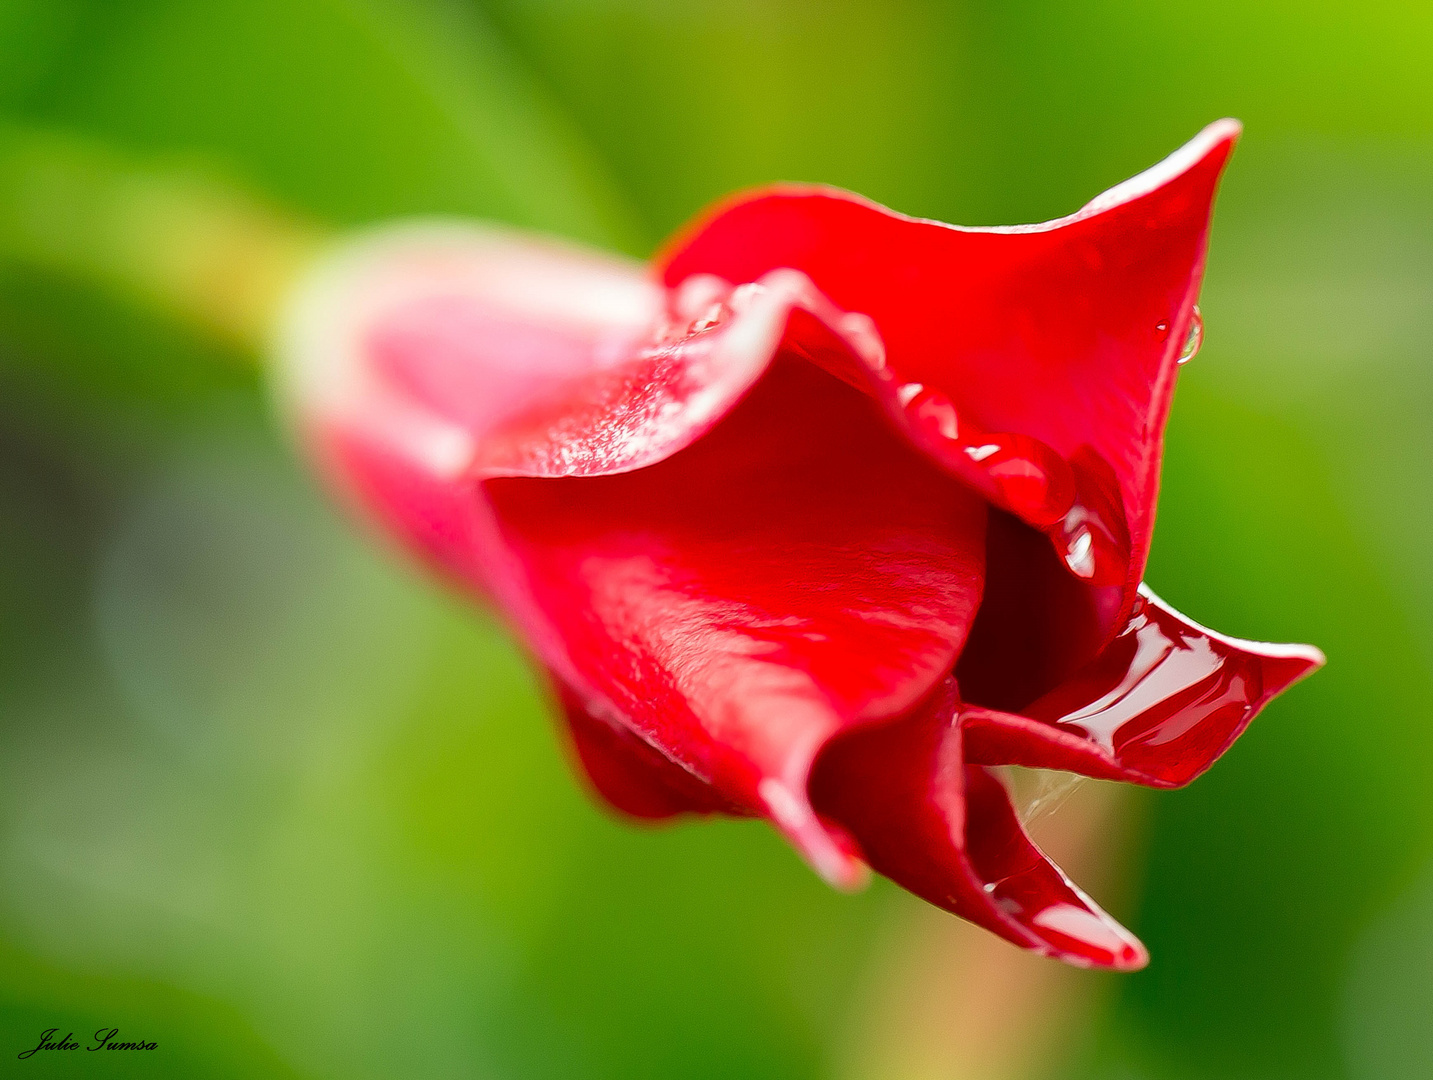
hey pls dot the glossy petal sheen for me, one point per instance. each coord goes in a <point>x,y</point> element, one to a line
<point>833,514</point>
<point>945,829</point>
<point>1065,335</point>
<point>794,571</point>
<point>1158,706</point>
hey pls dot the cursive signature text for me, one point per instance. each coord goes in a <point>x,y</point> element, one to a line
<point>104,1039</point>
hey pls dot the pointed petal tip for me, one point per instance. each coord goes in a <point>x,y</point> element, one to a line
<point>1214,143</point>
<point>1225,130</point>
<point>1087,937</point>
<point>1134,958</point>
<point>1283,665</point>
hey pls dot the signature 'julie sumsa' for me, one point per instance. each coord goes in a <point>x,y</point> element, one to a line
<point>104,1039</point>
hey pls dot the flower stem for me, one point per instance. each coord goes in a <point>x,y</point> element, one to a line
<point>178,239</point>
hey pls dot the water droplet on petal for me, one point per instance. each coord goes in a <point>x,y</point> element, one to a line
<point>1162,328</point>
<point>1092,538</point>
<point>1090,548</point>
<point>696,294</point>
<point>906,393</point>
<point>1080,553</point>
<point>1027,487</point>
<point>932,409</point>
<point>1194,338</point>
<point>714,314</point>
<point>862,335</point>
<point>1029,478</point>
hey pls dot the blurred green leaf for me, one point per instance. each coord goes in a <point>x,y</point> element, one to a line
<point>350,109</point>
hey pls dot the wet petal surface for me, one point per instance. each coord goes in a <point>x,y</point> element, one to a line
<point>1158,706</point>
<point>838,513</point>
<point>1066,333</point>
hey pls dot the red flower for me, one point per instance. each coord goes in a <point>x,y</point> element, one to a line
<point>822,519</point>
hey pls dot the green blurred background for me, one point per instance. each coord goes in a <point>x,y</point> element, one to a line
<point>271,799</point>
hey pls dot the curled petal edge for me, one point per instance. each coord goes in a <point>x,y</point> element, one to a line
<point>655,379</point>
<point>1163,701</point>
<point>946,830</point>
<point>1066,332</point>
<point>391,437</point>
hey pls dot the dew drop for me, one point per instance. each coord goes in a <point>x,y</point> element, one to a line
<point>714,314</point>
<point>1194,338</point>
<point>861,334</point>
<point>1162,328</point>
<point>980,453</point>
<point>1092,538</point>
<point>698,293</point>
<point>907,392</point>
<point>1025,486</point>
<point>1080,553</point>
<point>1026,477</point>
<point>932,409</point>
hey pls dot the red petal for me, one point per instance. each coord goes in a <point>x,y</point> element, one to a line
<point>1067,332</point>
<point>946,831</point>
<point>1158,706</point>
<point>734,555</point>
<point>631,774</point>
<point>696,507</point>
<point>1037,625</point>
<point>796,570</point>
